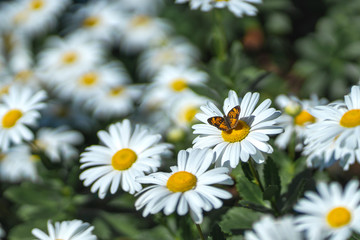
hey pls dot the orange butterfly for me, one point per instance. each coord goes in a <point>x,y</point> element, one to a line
<point>227,122</point>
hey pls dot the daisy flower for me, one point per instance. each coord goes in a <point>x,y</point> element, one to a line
<point>295,118</point>
<point>18,164</point>
<point>237,7</point>
<point>98,20</point>
<point>66,230</point>
<point>172,82</point>
<point>33,17</point>
<point>248,135</point>
<point>187,188</point>
<point>141,6</point>
<point>85,85</point>
<point>19,110</point>
<point>174,52</point>
<point>58,142</point>
<point>338,124</point>
<point>268,228</point>
<point>126,155</point>
<point>65,57</point>
<point>204,5</point>
<point>142,31</point>
<point>332,213</point>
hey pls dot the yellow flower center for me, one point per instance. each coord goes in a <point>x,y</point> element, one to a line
<point>36,4</point>
<point>20,17</point>
<point>351,118</point>
<point>88,79</point>
<point>91,21</point>
<point>116,91</point>
<point>292,108</point>
<point>338,217</point>
<point>69,57</point>
<point>123,159</point>
<point>24,75</point>
<point>181,182</point>
<point>35,158</point>
<point>178,84</point>
<point>189,113</point>
<point>304,117</point>
<point>4,90</point>
<point>11,117</point>
<point>237,134</point>
<point>140,21</point>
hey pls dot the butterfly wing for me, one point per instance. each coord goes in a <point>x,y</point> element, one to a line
<point>218,122</point>
<point>233,116</point>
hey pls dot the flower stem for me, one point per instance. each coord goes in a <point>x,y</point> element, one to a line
<point>256,175</point>
<point>200,232</point>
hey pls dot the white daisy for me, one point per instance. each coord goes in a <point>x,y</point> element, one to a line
<point>338,124</point>
<point>33,17</point>
<point>127,154</point>
<point>117,101</point>
<point>142,31</point>
<point>174,52</point>
<point>204,5</point>
<point>238,7</point>
<point>170,83</point>
<point>269,228</point>
<point>186,188</point>
<point>248,138</point>
<point>58,143</point>
<point>66,230</point>
<point>84,86</point>
<point>295,118</point>
<point>65,57</point>
<point>19,110</point>
<point>183,109</point>
<point>141,6</point>
<point>332,213</point>
<point>98,20</point>
<point>18,164</point>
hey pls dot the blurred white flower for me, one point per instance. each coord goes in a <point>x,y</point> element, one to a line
<point>98,20</point>
<point>269,228</point>
<point>332,213</point>
<point>62,58</point>
<point>141,6</point>
<point>33,17</point>
<point>187,188</point>
<point>66,230</point>
<point>127,154</point>
<point>58,143</point>
<point>142,31</point>
<point>18,164</point>
<point>19,110</point>
<point>295,118</point>
<point>174,52</point>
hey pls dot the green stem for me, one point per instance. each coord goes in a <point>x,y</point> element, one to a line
<point>200,232</point>
<point>219,36</point>
<point>256,175</point>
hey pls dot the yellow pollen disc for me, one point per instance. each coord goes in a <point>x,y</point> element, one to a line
<point>304,117</point>
<point>351,118</point>
<point>91,21</point>
<point>181,181</point>
<point>123,159</point>
<point>188,115</point>
<point>35,158</point>
<point>116,91</point>
<point>36,4</point>
<point>69,57</point>
<point>88,79</point>
<point>20,17</point>
<point>4,90</point>
<point>2,156</point>
<point>292,109</point>
<point>23,75</point>
<point>140,21</point>
<point>237,134</point>
<point>178,84</point>
<point>11,117</point>
<point>338,217</point>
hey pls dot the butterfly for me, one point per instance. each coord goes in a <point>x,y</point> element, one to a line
<point>227,122</point>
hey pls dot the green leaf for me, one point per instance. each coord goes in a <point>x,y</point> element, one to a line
<point>123,223</point>
<point>249,191</point>
<point>303,181</point>
<point>238,218</point>
<point>271,192</point>
<point>272,180</point>
<point>216,233</point>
